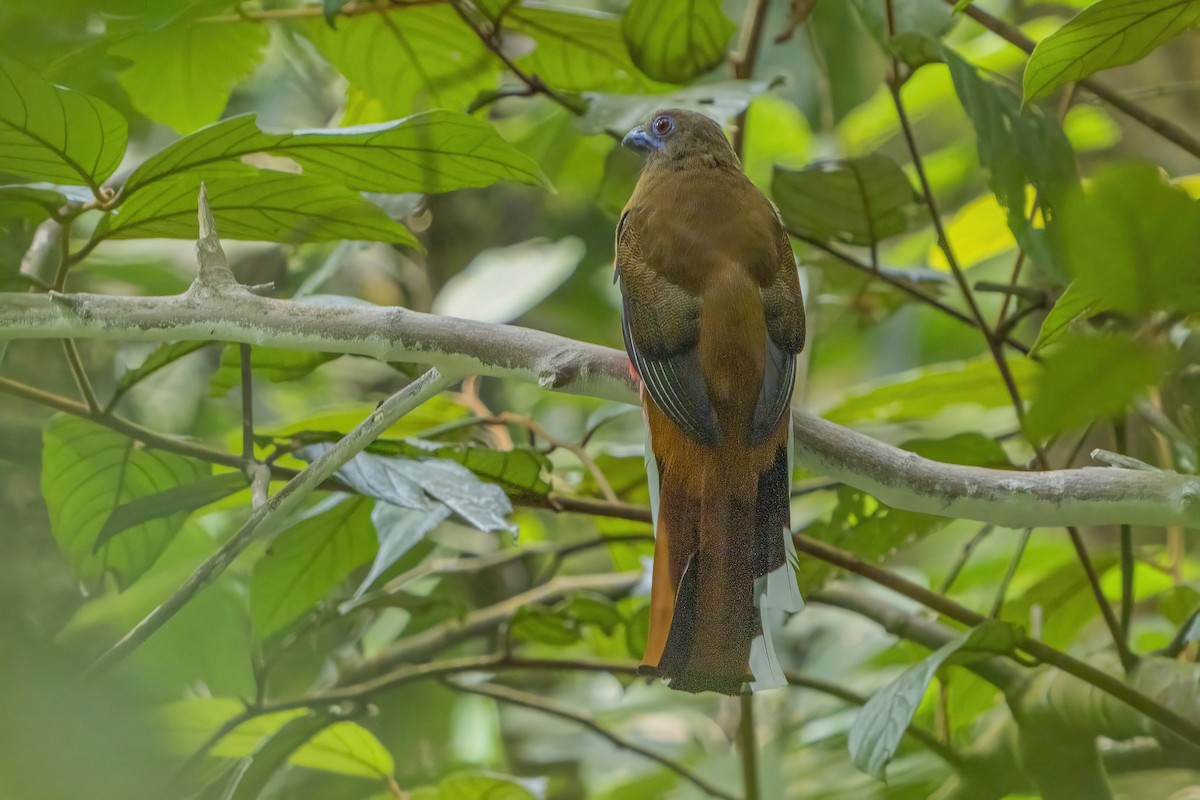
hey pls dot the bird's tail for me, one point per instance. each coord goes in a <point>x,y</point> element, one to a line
<point>722,566</point>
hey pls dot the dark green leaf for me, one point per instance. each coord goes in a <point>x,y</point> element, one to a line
<point>408,59</point>
<point>258,205</point>
<point>330,9</point>
<point>930,18</point>
<point>421,483</point>
<point>1019,146</point>
<point>1108,33</point>
<point>277,366</point>
<point>878,728</point>
<point>164,354</point>
<point>541,624</point>
<point>308,560</point>
<point>38,201</point>
<point>861,523</point>
<point>1089,378</point>
<point>1074,304</point>
<point>968,449</point>
<point>87,471</point>
<point>48,133</point>
<point>854,201</point>
<point>437,151</point>
<point>924,392</point>
<point>676,40</point>
<point>1133,241</point>
<point>593,609</point>
<point>181,74</point>
<point>179,499</point>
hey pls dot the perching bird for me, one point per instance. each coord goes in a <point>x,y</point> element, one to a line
<point>713,320</point>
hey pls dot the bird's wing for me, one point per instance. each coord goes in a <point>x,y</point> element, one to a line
<point>661,325</point>
<point>783,307</point>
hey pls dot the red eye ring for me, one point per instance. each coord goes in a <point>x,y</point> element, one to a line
<point>662,125</point>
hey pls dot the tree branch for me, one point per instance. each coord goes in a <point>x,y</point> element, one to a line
<point>1086,496</point>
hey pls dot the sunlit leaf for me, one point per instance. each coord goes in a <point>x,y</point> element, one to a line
<point>181,74</point>
<point>271,363</point>
<point>409,59</point>
<point>878,728</point>
<point>1134,242</point>
<point>474,786</point>
<point>499,286</point>
<point>258,205</point>
<point>1088,378</point>
<point>922,393</point>
<point>854,201</point>
<point>1076,303</point>
<point>969,449</point>
<point>308,560</point>
<point>48,133</point>
<point>87,472</point>
<point>1106,34</point>
<point>436,151</point>
<point>676,40</point>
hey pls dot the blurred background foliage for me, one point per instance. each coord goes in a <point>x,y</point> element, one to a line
<point>1106,291</point>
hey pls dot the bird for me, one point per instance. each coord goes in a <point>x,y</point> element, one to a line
<point>713,319</point>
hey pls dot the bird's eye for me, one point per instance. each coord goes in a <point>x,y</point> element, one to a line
<point>662,125</point>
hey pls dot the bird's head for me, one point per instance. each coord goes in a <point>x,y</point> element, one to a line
<point>675,136</point>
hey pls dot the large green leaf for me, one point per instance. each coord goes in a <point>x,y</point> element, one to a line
<point>181,74</point>
<point>922,393</point>
<point>39,201</point>
<point>1108,33</point>
<point>1087,378</point>
<point>437,151</point>
<point>676,40</point>
<point>1019,146</point>
<point>179,499</point>
<point>276,365</point>
<point>308,560</point>
<point>1133,242</point>
<point>855,200</point>
<point>345,747</point>
<point>878,728</point>
<point>257,205</point>
<point>87,472</point>
<point>48,133</point>
<point>409,59</point>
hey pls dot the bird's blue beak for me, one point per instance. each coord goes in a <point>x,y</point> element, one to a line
<point>638,140</point>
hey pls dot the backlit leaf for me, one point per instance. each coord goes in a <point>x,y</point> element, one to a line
<point>676,40</point>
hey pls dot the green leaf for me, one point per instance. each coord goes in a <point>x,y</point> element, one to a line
<point>878,728</point>
<point>409,59</point>
<point>859,201</point>
<point>419,483</point>
<point>1074,304</point>
<point>39,201</point>
<point>87,471</point>
<point>969,449</point>
<point>924,392</point>
<point>1087,378</point>
<point>179,499</point>
<point>251,776</point>
<point>931,18</point>
<point>520,471</point>
<point>870,528</point>
<point>258,205</point>
<point>308,560</point>
<point>677,40</point>
<point>344,747</point>
<point>1108,33</point>
<point>544,625</point>
<point>48,133</point>
<point>576,51</point>
<point>474,786</point>
<point>181,74</point>
<point>1018,146</point>
<point>277,366</point>
<point>164,355</point>
<point>1133,241</point>
<point>437,151</point>
<point>330,10</point>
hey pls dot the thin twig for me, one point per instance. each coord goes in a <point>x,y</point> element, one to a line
<point>247,402</point>
<point>533,702</point>
<point>747,745</point>
<point>964,555</point>
<point>1009,573</point>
